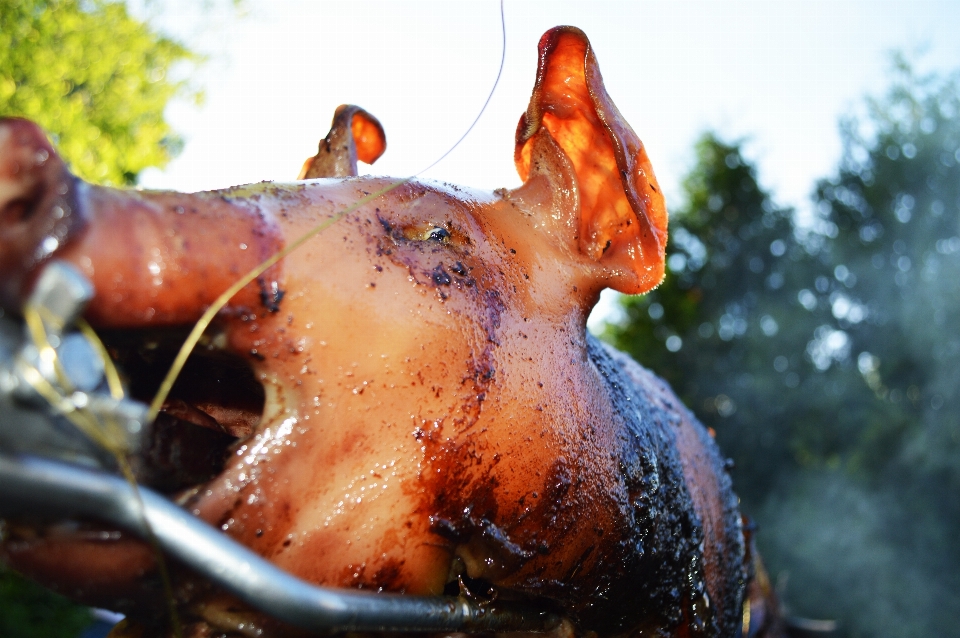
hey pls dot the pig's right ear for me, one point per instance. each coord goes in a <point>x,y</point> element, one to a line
<point>354,134</point>
<point>622,218</point>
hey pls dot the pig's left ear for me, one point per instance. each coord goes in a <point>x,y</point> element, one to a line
<point>354,134</point>
<point>622,221</point>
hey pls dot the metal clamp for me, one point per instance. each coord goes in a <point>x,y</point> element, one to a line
<point>68,366</point>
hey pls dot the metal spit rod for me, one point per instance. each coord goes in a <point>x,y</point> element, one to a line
<point>37,484</point>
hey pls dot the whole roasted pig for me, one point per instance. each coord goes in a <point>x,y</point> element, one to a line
<point>410,402</point>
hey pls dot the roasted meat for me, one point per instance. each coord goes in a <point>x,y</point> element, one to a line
<point>409,402</point>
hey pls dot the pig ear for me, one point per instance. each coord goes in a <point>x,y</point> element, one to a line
<point>622,216</point>
<point>354,134</point>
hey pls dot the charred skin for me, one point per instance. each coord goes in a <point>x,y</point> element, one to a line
<point>433,408</point>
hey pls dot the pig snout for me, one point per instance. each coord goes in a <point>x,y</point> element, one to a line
<point>154,258</point>
<point>159,259</point>
<point>38,204</point>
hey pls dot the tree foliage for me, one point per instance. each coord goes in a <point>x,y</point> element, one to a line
<point>895,203</point>
<point>30,611</point>
<point>826,357</point>
<point>95,78</point>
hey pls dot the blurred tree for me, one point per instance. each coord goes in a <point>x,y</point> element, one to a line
<point>827,357</point>
<point>96,79</point>
<point>896,204</point>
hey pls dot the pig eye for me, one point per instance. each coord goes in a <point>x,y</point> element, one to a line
<point>435,236</point>
<point>428,232</point>
<point>439,234</point>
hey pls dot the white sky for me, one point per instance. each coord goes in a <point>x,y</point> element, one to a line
<point>777,72</point>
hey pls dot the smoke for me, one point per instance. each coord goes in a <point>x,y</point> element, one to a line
<point>879,565</point>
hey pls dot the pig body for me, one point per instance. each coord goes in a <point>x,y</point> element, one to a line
<point>433,412</point>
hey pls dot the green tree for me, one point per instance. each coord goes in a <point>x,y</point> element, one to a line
<point>895,201</point>
<point>95,78</point>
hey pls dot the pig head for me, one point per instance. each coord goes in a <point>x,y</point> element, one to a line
<point>410,401</point>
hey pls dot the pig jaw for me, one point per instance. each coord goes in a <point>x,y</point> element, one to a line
<point>158,259</point>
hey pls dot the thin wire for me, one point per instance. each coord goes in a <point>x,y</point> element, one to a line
<point>165,580</point>
<point>104,430</point>
<point>84,421</point>
<point>109,370</point>
<point>218,304</point>
<point>503,58</point>
<point>207,317</point>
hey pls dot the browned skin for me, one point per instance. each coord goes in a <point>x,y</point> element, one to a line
<point>434,405</point>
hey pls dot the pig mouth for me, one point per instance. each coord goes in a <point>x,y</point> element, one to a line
<point>216,402</point>
<point>215,405</point>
